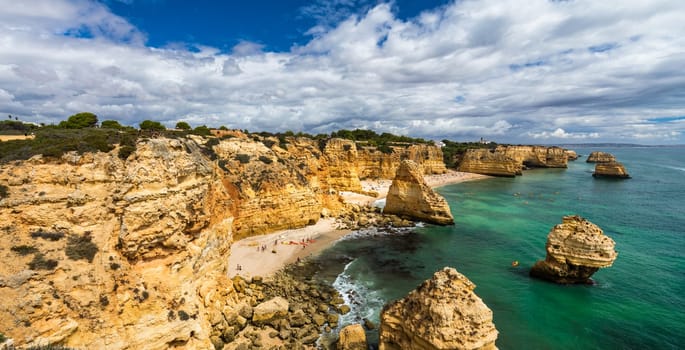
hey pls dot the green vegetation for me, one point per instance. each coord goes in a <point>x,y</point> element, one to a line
<point>4,191</point>
<point>126,151</point>
<point>51,236</point>
<point>54,142</point>
<point>382,142</point>
<point>183,316</point>
<point>111,124</point>
<point>183,125</point>
<point>268,143</point>
<point>2,338</point>
<point>453,151</point>
<point>24,250</point>
<point>202,130</point>
<point>40,263</point>
<point>80,247</point>
<point>266,160</point>
<point>80,121</point>
<point>243,158</point>
<point>149,125</point>
<point>13,127</point>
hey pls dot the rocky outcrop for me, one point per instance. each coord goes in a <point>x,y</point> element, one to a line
<point>576,249</point>
<point>571,155</point>
<point>343,161</point>
<point>600,157</point>
<point>611,170</point>
<point>442,313</point>
<point>352,337</point>
<point>488,162</point>
<point>410,195</point>
<point>372,163</point>
<point>536,156</point>
<point>511,160</point>
<point>107,253</point>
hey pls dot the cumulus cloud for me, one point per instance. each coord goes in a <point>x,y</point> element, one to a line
<point>511,71</point>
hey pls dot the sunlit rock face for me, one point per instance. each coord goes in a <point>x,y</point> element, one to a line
<point>442,313</point>
<point>576,249</point>
<point>409,195</point>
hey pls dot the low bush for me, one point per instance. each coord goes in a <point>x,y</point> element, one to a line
<point>183,316</point>
<point>4,191</point>
<point>24,249</point>
<point>243,158</point>
<point>80,247</point>
<point>39,262</point>
<point>266,160</point>
<point>126,151</point>
<point>52,236</point>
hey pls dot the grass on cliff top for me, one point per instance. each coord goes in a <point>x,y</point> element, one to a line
<point>54,142</point>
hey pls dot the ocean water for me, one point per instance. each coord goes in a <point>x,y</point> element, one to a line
<point>638,303</point>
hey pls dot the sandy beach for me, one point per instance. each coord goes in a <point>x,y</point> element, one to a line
<point>264,255</point>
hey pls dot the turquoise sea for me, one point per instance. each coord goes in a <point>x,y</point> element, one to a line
<point>638,303</point>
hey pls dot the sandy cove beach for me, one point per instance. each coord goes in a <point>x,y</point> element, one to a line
<point>264,255</point>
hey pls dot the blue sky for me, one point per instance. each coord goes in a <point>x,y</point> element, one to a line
<point>533,71</point>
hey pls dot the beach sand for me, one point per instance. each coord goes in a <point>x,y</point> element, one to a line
<point>255,261</point>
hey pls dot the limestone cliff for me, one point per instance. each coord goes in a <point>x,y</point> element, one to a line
<point>600,157</point>
<point>442,313</point>
<point>536,156</point>
<point>410,195</point>
<point>576,249</point>
<point>611,170</point>
<point>571,154</point>
<point>488,162</point>
<point>270,188</point>
<point>343,161</point>
<point>112,254</point>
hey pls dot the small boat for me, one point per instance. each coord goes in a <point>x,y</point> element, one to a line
<point>515,263</point>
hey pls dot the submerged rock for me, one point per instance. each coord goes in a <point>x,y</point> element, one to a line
<point>410,195</point>
<point>442,313</point>
<point>576,249</point>
<point>611,169</point>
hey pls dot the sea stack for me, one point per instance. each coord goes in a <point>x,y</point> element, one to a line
<point>600,157</point>
<point>611,170</point>
<point>409,195</point>
<point>442,313</point>
<point>576,249</point>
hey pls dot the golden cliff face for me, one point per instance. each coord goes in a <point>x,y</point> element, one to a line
<point>374,164</point>
<point>410,195</point>
<point>442,313</point>
<point>510,160</point>
<point>269,191</point>
<point>576,249</point>
<point>105,253</point>
<point>489,162</point>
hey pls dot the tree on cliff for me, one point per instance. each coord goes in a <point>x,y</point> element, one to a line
<point>183,125</point>
<point>150,125</point>
<point>111,124</point>
<point>80,121</point>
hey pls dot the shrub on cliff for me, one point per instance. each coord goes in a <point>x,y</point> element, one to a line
<point>80,247</point>
<point>3,191</point>
<point>24,249</point>
<point>182,125</point>
<point>149,125</point>
<point>266,160</point>
<point>40,263</point>
<point>80,121</point>
<point>242,158</point>
<point>202,130</point>
<point>111,124</point>
<point>126,151</point>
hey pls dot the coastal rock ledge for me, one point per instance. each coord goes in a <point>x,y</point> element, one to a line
<point>576,249</point>
<point>611,170</point>
<point>442,313</point>
<point>410,195</point>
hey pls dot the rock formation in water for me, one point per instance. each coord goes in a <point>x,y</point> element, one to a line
<point>611,170</point>
<point>576,249</point>
<point>488,162</point>
<point>511,160</point>
<point>352,337</point>
<point>442,313</point>
<point>410,195</point>
<point>571,155</point>
<point>600,157</point>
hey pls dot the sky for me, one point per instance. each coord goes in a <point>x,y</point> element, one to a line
<point>512,71</point>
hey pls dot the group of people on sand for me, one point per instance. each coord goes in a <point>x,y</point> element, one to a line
<point>261,248</point>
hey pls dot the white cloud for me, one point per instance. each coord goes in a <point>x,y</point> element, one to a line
<point>506,70</point>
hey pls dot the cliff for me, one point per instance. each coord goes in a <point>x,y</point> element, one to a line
<point>374,164</point>
<point>611,170</point>
<point>410,195</point>
<point>511,160</point>
<point>536,156</point>
<point>571,155</point>
<point>576,249</point>
<point>442,313</point>
<point>105,253</point>
<point>488,162</point>
<point>600,157</point>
